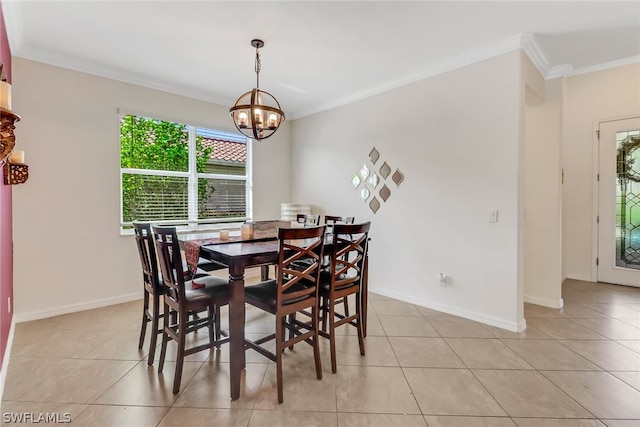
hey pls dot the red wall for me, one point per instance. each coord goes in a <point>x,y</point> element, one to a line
<point>6,237</point>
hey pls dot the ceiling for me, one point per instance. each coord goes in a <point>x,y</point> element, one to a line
<point>317,55</point>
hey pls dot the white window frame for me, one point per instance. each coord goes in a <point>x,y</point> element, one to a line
<point>193,223</point>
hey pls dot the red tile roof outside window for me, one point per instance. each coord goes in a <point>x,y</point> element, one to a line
<point>226,151</point>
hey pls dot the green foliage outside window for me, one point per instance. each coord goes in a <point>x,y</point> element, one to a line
<point>151,144</point>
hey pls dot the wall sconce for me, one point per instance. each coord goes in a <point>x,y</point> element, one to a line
<point>15,170</point>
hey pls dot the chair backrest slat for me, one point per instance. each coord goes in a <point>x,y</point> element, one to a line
<point>333,219</point>
<point>148,258</point>
<point>299,280</point>
<point>170,261</point>
<point>349,250</point>
<point>308,220</point>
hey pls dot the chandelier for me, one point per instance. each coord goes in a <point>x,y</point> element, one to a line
<point>257,114</point>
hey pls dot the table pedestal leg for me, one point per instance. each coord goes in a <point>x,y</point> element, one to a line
<point>236,329</point>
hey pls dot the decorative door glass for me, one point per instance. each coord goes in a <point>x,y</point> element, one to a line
<point>628,200</point>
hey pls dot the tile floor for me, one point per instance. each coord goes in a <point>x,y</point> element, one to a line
<point>579,366</point>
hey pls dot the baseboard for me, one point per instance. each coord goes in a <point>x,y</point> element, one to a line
<point>72,308</point>
<point>518,326</point>
<point>581,277</point>
<point>7,356</point>
<point>544,302</point>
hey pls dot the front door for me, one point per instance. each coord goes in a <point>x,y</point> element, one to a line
<point>619,202</point>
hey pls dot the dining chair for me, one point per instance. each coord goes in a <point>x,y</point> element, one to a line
<point>153,287</point>
<point>294,289</point>
<point>349,246</point>
<point>308,220</point>
<point>185,297</point>
<point>329,221</point>
<point>333,219</point>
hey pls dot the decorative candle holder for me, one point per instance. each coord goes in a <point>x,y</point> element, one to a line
<point>15,173</point>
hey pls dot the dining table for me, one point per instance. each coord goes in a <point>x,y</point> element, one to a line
<point>238,254</point>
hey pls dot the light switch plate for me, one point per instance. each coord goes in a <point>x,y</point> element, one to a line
<point>493,215</point>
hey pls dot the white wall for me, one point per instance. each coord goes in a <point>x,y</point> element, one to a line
<point>456,138</point>
<point>542,190</point>
<point>68,252</point>
<point>589,98</point>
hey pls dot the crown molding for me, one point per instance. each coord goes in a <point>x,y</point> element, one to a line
<point>605,66</point>
<point>530,46</point>
<point>459,61</point>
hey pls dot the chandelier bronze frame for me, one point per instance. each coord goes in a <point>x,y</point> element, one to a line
<point>257,114</point>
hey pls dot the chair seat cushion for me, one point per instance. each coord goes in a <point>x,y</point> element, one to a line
<point>265,293</point>
<point>215,288</point>
<point>325,281</point>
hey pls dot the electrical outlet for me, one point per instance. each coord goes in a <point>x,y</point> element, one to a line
<point>442,278</point>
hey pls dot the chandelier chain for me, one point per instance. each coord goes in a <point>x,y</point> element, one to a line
<point>257,68</point>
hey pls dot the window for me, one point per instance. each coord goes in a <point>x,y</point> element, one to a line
<point>182,175</point>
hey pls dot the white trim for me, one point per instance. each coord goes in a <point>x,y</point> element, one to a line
<point>559,71</point>
<point>544,302</point>
<point>7,356</point>
<point>529,45</point>
<point>595,197</point>
<point>468,58</point>
<point>605,66</point>
<point>581,277</point>
<point>519,326</point>
<point>73,308</point>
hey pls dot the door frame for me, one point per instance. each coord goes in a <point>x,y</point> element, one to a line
<point>595,188</point>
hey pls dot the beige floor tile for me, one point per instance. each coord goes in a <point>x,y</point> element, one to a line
<point>608,355</point>
<point>143,385</point>
<point>445,421</point>
<point>631,378</point>
<point>486,354</point>
<point>374,390</point>
<point>457,327</point>
<point>556,422</point>
<point>450,392</point>
<point>303,391</point>
<point>380,420</point>
<point>529,394</point>
<point>424,353</point>
<point>407,326</point>
<point>196,417</point>
<point>549,354</point>
<point>119,416</point>
<point>15,413</point>
<point>62,380</point>
<point>564,329</point>
<point>601,393</point>
<point>621,423</point>
<point>374,328</point>
<point>121,345</point>
<point>64,344</point>
<point>583,297</point>
<point>611,328</point>
<point>394,308</point>
<point>632,344</point>
<point>530,333</point>
<point>574,310</point>
<point>428,312</point>
<point>378,352</point>
<point>617,311</point>
<point>90,361</point>
<point>210,387</point>
<point>293,419</point>
<point>532,311</point>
